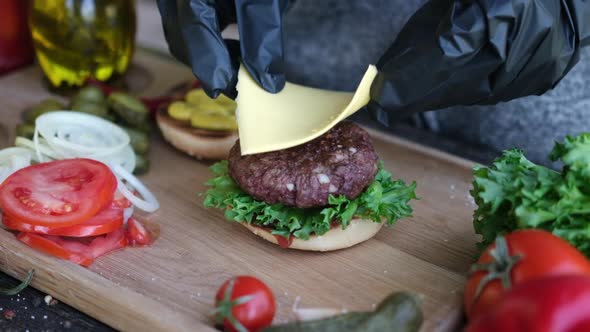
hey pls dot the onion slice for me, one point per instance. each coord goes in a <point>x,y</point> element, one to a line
<point>148,202</point>
<point>76,134</point>
<point>12,159</point>
<point>41,148</point>
<point>8,153</point>
<point>127,213</point>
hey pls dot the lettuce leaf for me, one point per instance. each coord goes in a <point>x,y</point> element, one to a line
<point>384,199</point>
<point>514,193</point>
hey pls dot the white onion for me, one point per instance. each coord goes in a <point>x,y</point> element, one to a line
<point>13,159</point>
<point>7,154</point>
<point>78,134</point>
<point>19,161</point>
<point>41,149</point>
<point>148,202</point>
<point>125,158</point>
<point>66,134</point>
<point>5,172</point>
<point>127,213</point>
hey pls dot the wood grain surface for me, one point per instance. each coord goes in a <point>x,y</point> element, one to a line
<point>171,285</point>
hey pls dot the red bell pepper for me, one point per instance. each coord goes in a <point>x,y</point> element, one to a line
<point>552,304</point>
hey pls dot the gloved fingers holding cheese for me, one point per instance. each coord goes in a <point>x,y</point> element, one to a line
<point>193,32</point>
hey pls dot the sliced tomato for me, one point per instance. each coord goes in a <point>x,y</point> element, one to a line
<point>137,234</point>
<point>120,201</point>
<point>58,193</point>
<point>106,221</point>
<point>79,251</point>
<point>54,245</point>
<point>105,244</point>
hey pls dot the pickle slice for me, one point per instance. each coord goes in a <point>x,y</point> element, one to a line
<point>214,121</point>
<point>204,112</point>
<point>222,104</point>
<point>179,110</point>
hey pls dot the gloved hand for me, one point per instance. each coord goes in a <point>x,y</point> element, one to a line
<point>193,32</point>
<point>460,52</point>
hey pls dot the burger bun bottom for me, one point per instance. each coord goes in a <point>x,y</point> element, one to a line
<point>198,146</point>
<point>358,231</point>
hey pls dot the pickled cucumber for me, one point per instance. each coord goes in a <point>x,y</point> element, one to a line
<point>204,112</point>
<point>142,164</point>
<point>90,94</point>
<point>45,106</point>
<point>140,141</point>
<point>25,130</point>
<point>214,121</point>
<point>398,312</point>
<point>180,111</point>
<point>222,104</point>
<point>129,109</point>
<point>90,107</point>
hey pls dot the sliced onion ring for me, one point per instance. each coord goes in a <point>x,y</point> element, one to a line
<point>81,135</point>
<point>12,159</point>
<point>148,202</point>
<point>41,148</point>
<point>127,213</point>
<point>7,153</point>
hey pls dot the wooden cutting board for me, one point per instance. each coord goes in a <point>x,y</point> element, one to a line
<point>170,286</point>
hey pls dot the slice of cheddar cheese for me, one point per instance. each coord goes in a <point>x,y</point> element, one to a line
<point>296,115</point>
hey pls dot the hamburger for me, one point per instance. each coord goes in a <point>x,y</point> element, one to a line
<point>327,194</point>
<point>201,127</point>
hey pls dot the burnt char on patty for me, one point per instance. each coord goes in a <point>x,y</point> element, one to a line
<point>340,162</point>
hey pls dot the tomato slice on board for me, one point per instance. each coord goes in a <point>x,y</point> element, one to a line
<point>120,201</point>
<point>54,246</point>
<point>105,244</point>
<point>58,193</point>
<point>137,234</point>
<point>106,221</point>
<point>75,250</point>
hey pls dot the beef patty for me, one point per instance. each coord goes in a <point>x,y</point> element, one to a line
<point>340,162</point>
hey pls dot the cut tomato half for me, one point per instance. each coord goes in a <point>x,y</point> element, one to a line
<point>106,221</point>
<point>79,251</point>
<point>58,193</point>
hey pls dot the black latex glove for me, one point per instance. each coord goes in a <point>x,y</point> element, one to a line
<point>193,32</point>
<point>455,52</point>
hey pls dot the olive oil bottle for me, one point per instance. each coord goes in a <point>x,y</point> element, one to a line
<point>77,39</point>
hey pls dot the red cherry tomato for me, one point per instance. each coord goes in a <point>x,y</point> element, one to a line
<point>58,193</point>
<point>78,251</point>
<point>137,234</point>
<point>244,303</point>
<point>106,221</point>
<point>515,258</point>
